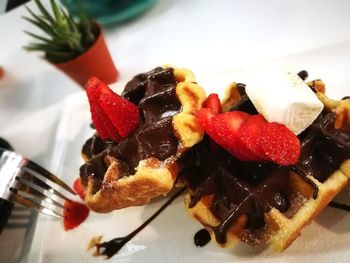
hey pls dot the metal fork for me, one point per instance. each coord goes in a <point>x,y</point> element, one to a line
<point>25,182</point>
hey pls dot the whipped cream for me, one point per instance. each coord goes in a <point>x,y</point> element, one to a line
<point>280,95</point>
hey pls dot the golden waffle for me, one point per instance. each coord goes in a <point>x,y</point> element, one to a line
<point>145,165</point>
<point>302,191</point>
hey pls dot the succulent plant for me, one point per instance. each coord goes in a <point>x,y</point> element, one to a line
<point>65,38</point>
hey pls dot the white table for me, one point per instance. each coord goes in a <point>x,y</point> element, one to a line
<point>207,36</point>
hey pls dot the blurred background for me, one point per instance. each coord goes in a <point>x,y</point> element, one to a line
<point>213,38</point>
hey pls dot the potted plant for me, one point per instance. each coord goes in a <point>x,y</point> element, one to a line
<point>78,48</point>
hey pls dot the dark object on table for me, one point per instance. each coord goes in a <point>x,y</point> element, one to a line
<point>11,4</point>
<point>5,206</point>
<point>5,212</point>
<point>4,144</point>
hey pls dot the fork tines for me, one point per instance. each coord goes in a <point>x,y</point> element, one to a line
<point>31,185</point>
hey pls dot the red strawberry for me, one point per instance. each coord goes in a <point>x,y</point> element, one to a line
<point>74,214</point>
<point>279,143</point>
<point>113,116</point>
<point>204,117</point>
<point>78,188</point>
<point>104,127</point>
<point>123,114</point>
<point>249,134</point>
<point>226,127</point>
<point>100,86</point>
<point>212,102</point>
<point>96,113</point>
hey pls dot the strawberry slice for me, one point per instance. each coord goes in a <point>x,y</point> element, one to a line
<point>78,188</point>
<point>123,114</point>
<point>204,117</point>
<point>249,134</point>
<point>113,116</point>
<point>212,102</point>
<point>98,85</point>
<point>96,114</point>
<point>279,143</point>
<point>74,214</point>
<point>104,127</point>
<point>227,126</point>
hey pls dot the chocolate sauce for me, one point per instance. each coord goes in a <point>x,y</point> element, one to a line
<point>238,188</point>
<point>346,98</point>
<point>245,103</point>
<point>324,148</point>
<point>201,238</point>
<point>339,206</point>
<point>154,93</point>
<point>112,247</point>
<point>95,145</point>
<point>303,74</point>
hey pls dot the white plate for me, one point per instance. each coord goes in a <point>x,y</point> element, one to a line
<point>169,238</point>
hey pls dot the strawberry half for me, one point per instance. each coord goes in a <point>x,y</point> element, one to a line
<point>213,103</point>
<point>249,134</point>
<point>79,189</point>
<point>122,113</point>
<point>74,214</point>
<point>113,116</point>
<point>96,113</point>
<point>227,130</point>
<point>279,143</point>
<point>204,117</point>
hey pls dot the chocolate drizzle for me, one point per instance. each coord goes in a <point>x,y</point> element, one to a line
<point>110,248</point>
<point>154,93</point>
<point>245,103</point>
<point>340,206</point>
<point>95,145</point>
<point>303,74</point>
<point>324,148</point>
<point>201,238</point>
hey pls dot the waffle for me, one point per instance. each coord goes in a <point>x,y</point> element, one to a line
<point>263,203</point>
<point>145,164</point>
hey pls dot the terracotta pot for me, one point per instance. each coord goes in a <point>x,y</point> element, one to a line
<point>96,61</point>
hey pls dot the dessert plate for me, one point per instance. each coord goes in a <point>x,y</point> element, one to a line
<point>169,238</point>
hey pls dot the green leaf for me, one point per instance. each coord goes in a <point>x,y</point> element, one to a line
<point>44,39</point>
<point>56,10</point>
<point>43,26</point>
<point>47,47</point>
<point>45,13</point>
<point>70,21</point>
